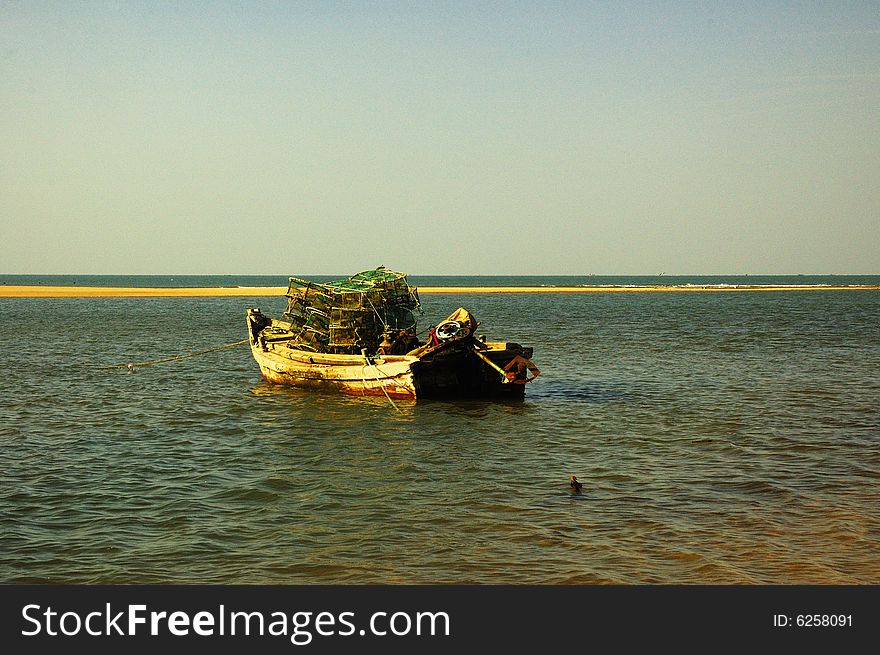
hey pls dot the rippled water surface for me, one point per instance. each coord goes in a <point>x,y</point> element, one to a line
<point>726,437</point>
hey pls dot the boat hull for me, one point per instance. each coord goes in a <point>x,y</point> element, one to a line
<point>392,379</point>
<point>462,376</point>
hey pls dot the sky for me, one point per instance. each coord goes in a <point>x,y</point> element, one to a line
<point>570,138</point>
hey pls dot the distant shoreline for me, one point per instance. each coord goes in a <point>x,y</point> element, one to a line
<point>40,291</point>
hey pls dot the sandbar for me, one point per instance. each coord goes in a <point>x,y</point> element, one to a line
<point>46,291</point>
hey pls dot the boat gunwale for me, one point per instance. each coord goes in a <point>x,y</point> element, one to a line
<point>333,359</point>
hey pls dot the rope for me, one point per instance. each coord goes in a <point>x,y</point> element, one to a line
<point>376,312</point>
<point>173,359</point>
<point>381,384</point>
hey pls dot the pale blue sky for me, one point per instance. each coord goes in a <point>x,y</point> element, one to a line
<point>439,137</point>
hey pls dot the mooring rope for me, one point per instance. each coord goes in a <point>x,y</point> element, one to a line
<point>381,384</point>
<point>131,365</point>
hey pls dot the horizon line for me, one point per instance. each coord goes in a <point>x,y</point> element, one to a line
<point>664,274</point>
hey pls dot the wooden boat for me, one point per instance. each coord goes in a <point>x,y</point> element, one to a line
<point>358,336</point>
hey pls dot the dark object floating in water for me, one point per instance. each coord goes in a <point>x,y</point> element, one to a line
<point>358,336</point>
<point>575,485</point>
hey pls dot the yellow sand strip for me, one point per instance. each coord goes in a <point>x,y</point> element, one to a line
<point>134,292</point>
<point>38,291</point>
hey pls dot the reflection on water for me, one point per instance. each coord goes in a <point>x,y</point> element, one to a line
<point>731,439</point>
<point>328,406</point>
<point>595,391</point>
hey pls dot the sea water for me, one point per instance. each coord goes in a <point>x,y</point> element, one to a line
<point>720,438</point>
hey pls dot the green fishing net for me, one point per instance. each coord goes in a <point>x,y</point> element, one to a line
<point>345,316</point>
